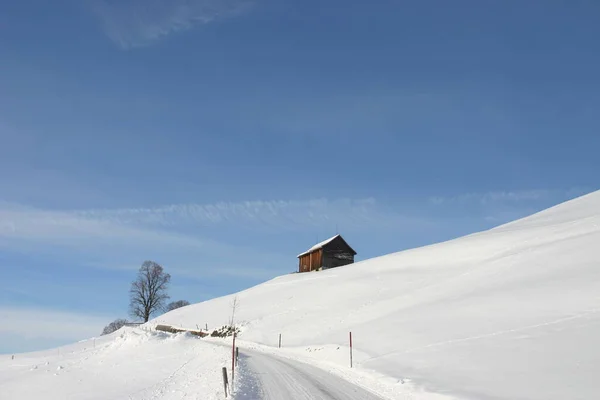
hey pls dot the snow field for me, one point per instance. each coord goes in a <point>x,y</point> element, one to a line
<point>128,364</point>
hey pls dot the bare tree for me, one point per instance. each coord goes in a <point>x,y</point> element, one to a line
<point>148,292</point>
<point>114,326</point>
<point>177,304</point>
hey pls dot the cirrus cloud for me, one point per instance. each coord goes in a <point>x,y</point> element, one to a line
<point>139,23</point>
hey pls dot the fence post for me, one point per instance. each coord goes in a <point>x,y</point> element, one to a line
<point>233,360</point>
<point>350,349</point>
<point>280,340</point>
<point>225,380</point>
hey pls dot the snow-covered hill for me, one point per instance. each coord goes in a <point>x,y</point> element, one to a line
<point>510,313</point>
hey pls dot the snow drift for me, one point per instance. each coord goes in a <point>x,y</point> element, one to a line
<point>510,313</point>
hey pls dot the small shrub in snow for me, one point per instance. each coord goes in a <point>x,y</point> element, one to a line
<point>114,326</point>
<point>177,304</point>
<point>225,331</point>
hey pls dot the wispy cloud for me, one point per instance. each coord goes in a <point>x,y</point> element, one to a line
<point>184,235</point>
<point>496,197</point>
<point>137,23</point>
<point>26,222</point>
<point>116,244</point>
<point>32,327</point>
<point>500,207</point>
<point>279,214</point>
<point>490,197</point>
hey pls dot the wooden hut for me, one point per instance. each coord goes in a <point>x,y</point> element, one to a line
<point>330,253</point>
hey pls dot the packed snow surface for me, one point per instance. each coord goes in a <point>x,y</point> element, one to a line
<point>510,313</point>
<point>268,377</point>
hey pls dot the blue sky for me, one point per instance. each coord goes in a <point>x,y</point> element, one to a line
<point>221,138</point>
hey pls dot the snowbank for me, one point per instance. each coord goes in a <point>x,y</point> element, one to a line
<point>128,364</point>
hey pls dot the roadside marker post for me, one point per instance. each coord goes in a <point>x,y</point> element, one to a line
<point>280,340</point>
<point>350,349</point>
<point>233,360</point>
<point>225,380</point>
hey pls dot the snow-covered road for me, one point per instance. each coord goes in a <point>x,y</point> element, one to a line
<point>267,377</point>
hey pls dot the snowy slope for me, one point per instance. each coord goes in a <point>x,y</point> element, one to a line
<point>510,313</point>
<point>129,364</point>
